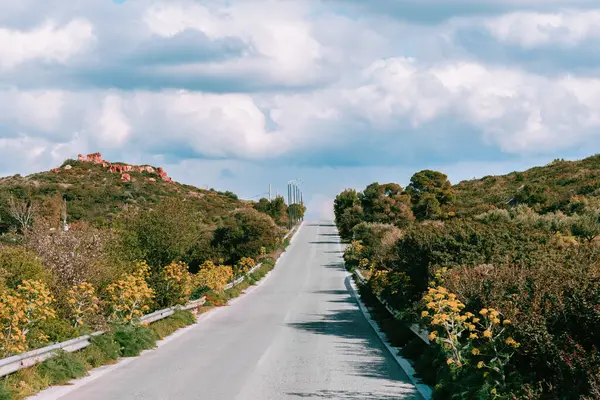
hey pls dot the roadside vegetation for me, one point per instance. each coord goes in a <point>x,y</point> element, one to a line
<point>117,261</point>
<point>503,272</point>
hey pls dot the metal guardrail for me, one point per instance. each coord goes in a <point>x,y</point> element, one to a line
<point>20,361</point>
<point>423,335</point>
<point>161,314</point>
<point>33,357</point>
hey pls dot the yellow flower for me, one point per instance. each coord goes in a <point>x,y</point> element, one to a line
<point>486,374</point>
<point>507,322</point>
<point>424,314</point>
<point>432,335</point>
<point>493,391</point>
<point>487,334</point>
<point>476,320</point>
<point>468,314</point>
<point>473,336</point>
<point>431,305</point>
<point>480,365</point>
<point>483,311</point>
<point>475,352</point>
<point>449,361</point>
<point>496,321</point>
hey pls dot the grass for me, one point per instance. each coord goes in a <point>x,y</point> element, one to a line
<point>132,339</point>
<point>165,327</point>
<point>63,367</point>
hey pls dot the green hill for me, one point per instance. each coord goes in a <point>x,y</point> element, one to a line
<point>560,185</point>
<point>95,194</point>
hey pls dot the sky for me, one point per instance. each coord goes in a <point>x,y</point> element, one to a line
<point>239,94</point>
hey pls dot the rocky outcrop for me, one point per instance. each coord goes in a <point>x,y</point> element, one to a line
<point>96,158</point>
<point>120,168</point>
<point>146,168</point>
<point>163,175</point>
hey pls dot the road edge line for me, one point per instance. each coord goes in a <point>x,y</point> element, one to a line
<point>423,389</point>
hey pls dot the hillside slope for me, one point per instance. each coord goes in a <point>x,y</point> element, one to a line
<point>560,185</point>
<point>96,190</point>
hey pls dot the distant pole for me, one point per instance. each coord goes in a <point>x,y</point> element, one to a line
<point>269,192</point>
<point>289,204</point>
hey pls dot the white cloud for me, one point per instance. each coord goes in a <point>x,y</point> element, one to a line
<point>47,42</point>
<point>114,128</point>
<point>279,37</point>
<point>530,29</point>
<point>516,110</point>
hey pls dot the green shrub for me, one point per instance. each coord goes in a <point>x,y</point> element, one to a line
<point>104,348</point>
<point>132,339</point>
<point>57,330</point>
<point>5,394</point>
<point>179,319</point>
<point>243,233</point>
<point>62,368</point>
<point>18,264</point>
<point>93,356</point>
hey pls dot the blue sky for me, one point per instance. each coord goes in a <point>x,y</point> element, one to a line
<point>242,93</point>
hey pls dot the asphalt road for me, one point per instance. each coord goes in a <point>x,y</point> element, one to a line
<point>299,335</point>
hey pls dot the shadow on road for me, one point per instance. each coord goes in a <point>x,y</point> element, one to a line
<point>347,394</point>
<point>329,234</point>
<point>325,242</point>
<point>356,342</point>
<point>339,265</point>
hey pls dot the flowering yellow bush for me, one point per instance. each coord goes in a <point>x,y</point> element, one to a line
<point>21,310</point>
<point>214,277</point>
<point>379,281</point>
<point>245,265</point>
<point>479,340</point>
<point>82,303</point>
<point>178,283</point>
<point>13,323</point>
<point>130,297</point>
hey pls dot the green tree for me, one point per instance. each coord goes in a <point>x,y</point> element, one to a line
<point>425,187</point>
<point>428,207</point>
<point>276,209</point>
<point>348,220</point>
<point>242,234</point>
<point>386,204</point>
<point>162,235</point>
<point>343,201</point>
<point>586,226</point>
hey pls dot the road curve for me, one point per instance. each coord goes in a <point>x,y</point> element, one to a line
<point>298,335</point>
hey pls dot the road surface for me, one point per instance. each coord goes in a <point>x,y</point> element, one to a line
<point>299,335</point>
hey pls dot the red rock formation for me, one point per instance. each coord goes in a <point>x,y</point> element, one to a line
<point>56,170</point>
<point>95,158</point>
<point>118,168</point>
<point>163,175</point>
